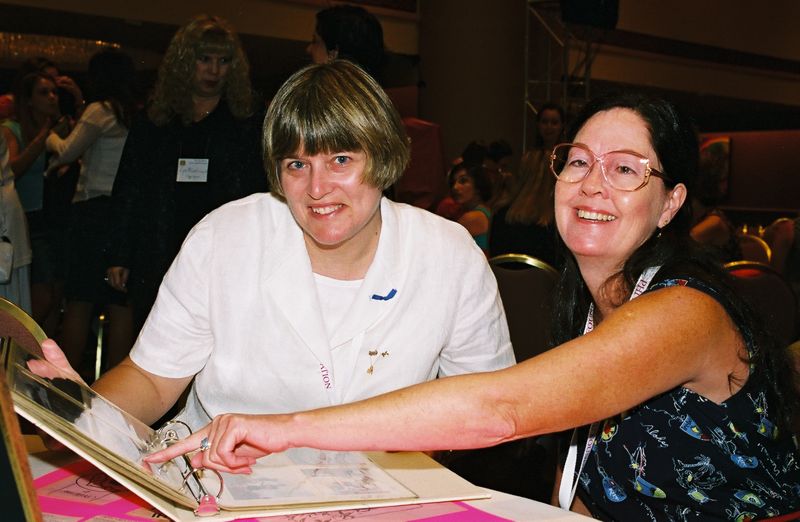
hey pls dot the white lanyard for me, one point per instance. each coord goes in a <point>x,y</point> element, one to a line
<point>569,478</point>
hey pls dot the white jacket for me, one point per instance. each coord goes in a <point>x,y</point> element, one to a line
<point>239,308</point>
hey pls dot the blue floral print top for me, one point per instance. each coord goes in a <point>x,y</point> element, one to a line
<point>681,457</point>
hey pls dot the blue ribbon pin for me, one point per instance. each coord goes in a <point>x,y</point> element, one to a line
<point>386,297</point>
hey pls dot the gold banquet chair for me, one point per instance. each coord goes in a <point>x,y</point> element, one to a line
<point>770,295</point>
<point>754,248</point>
<point>526,287</point>
<point>523,467</point>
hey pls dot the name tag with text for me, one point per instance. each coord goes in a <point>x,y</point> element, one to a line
<point>192,170</point>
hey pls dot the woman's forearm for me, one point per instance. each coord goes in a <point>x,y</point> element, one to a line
<point>69,149</point>
<point>450,413</point>
<point>141,394</point>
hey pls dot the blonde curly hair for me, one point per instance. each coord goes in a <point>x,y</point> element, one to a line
<point>203,34</point>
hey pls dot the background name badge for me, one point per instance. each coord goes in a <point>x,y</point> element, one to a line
<point>193,170</point>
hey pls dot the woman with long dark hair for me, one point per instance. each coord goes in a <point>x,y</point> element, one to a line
<point>472,189</point>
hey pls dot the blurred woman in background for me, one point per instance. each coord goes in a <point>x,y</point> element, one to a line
<point>472,189</point>
<point>98,138</point>
<point>198,148</point>
<point>36,114</point>
<point>15,284</point>
<point>351,33</point>
<point>550,124</point>
<point>527,225</point>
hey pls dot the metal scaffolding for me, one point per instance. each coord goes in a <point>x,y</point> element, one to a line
<point>563,68</point>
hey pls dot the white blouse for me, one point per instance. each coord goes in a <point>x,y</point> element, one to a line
<point>99,138</point>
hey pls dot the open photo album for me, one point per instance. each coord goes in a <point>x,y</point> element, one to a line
<point>300,480</point>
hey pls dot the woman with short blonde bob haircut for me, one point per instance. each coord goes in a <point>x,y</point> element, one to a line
<point>333,109</point>
<point>323,292</point>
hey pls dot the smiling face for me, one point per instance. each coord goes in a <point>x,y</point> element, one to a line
<point>599,223</point>
<point>211,70</point>
<point>329,199</point>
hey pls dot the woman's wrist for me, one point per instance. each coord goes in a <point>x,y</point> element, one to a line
<point>286,428</point>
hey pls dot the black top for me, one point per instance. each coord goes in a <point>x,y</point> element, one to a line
<point>153,212</point>
<point>679,456</point>
<point>516,238</point>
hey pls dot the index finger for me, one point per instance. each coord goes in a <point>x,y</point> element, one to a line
<point>190,443</point>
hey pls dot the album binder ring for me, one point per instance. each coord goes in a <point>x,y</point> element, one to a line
<point>207,503</point>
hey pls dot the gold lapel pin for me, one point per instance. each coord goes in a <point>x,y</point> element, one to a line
<point>373,354</point>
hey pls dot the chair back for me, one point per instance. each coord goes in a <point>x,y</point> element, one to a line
<point>769,294</point>
<point>423,183</point>
<point>782,239</point>
<point>526,287</point>
<point>774,227</point>
<point>754,248</point>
